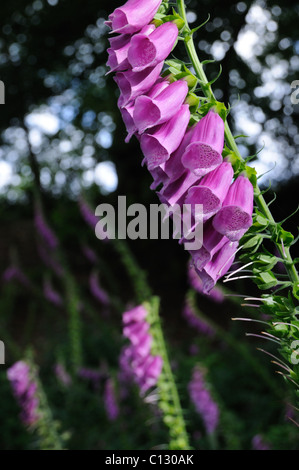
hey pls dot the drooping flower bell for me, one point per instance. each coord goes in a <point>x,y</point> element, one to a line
<point>235,216</point>
<point>149,50</point>
<point>218,266</point>
<point>160,142</point>
<point>133,84</point>
<point>152,111</point>
<point>118,53</point>
<point>133,15</point>
<point>213,241</point>
<point>127,111</point>
<point>119,47</point>
<point>211,190</point>
<point>203,154</point>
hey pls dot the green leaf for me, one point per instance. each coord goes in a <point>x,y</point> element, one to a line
<point>266,280</point>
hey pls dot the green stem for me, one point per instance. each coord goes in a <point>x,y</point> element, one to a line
<point>207,90</point>
<point>169,400</point>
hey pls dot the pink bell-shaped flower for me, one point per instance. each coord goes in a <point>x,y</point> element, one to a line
<point>211,190</point>
<point>150,112</point>
<point>212,242</point>
<point>235,216</point>
<point>119,47</point>
<point>133,84</point>
<point>148,50</point>
<point>218,266</point>
<point>133,15</point>
<point>203,154</point>
<point>161,141</point>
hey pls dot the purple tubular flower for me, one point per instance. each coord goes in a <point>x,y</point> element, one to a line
<point>203,154</point>
<point>14,273</point>
<point>150,112</point>
<point>136,314</point>
<point>195,281</point>
<point>259,444</point>
<point>153,368</point>
<point>51,294</point>
<point>47,235</point>
<point>90,374</point>
<point>133,84</point>
<point>136,360</point>
<point>118,53</point>
<point>89,254</point>
<point>218,266</point>
<point>160,142</point>
<point>203,401</point>
<point>118,50</point>
<point>127,116</point>
<point>110,402</point>
<point>212,242</point>
<point>134,331</point>
<point>211,190</point>
<point>149,50</point>
<point>133,15</point>
<point>62,375</point>
<point>96,290</point>
<point>174,192</point>
<point>196,322</point>
<point>25,390</point>
<point>235,216</point>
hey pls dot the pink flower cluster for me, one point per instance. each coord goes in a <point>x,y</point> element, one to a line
<point>25,391</point>
<point>185,160</point>
<point>136,360</point>
<point>203,402</point>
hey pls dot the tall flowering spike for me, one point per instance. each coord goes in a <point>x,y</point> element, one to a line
<point>25,390</point>
<point>158,144</point>
<point>148,50</point>
<point>218,266</point>
<point>203,401</point>
<point>150,112</point>
<point>133,15</point>
<point>213,241</point>
<point>136,360</point>
<point>211,190</point>
<point>203,154</point>
<point>235,217</point>
<point>133,84</point>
